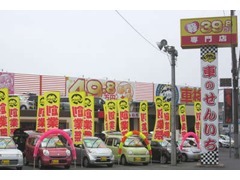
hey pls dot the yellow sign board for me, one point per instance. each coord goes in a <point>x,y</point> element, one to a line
<point>219,31</point>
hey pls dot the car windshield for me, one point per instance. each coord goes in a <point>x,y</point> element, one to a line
<point>165,144</point>
<point>133,142</point>
<point>52,142</point>
<point>186,144</point>
<point>225,138</point>
<point>7,143</point>
<point>94,143</point>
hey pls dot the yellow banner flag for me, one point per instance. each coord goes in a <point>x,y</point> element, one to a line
<point>4,112</point>
<point>40,124</point>
<point>88,122</point>
<point>52,110</point>
<point>166,118</point>
<point>77,103</point>
<point>143,118</point>
<point>183,119</point>
<point>111,108</point>
<point>14,114</point>
<point>197,112</point>
<point>105,117</point>
<point>123,115</point>
<point>158,129</point>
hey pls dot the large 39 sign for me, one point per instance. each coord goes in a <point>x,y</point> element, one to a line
<point>217,31</point>
<point>215,26</point>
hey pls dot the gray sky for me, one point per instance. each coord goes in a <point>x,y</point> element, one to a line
<point>100,44</point>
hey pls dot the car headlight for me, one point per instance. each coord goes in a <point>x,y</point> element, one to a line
<point>129,152</point>
<point>147,152</point>
<point>68,152</point>
<point>45,152</point>
<point>19,155</point>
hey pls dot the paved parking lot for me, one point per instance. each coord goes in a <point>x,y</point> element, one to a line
<point>225,163</point>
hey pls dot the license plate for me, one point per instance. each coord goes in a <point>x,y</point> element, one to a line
<point>55,161</point>
<point>103,158</point>
<point>5,162</point>
<point>137,159</point>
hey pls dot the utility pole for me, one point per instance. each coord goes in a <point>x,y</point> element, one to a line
<point>173,52</point>
<point>235,95</point>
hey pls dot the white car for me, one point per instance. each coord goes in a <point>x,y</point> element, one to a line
<point>25,104</point>
<point>224,141</point>
<point>10,156</point>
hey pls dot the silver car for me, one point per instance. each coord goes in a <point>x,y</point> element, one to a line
<point>190,152</point>
<point>94,151</point>
<point>10,156</point>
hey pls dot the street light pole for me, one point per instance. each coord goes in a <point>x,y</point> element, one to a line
<point>235,97</point>
<point>173,52</point>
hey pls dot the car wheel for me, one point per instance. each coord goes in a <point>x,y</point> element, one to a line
<point>163,159</point>
<point>40,166</point>
<point>19,168</point>
<point>220,145</point>
<point>123,160</point>
<point>23,107</point>
<point>184,158</point>
<point>25,161</point>
<point>110,165</point>
<point>85,162</point>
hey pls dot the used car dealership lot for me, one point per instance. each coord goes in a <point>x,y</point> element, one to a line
<point>226,163</point>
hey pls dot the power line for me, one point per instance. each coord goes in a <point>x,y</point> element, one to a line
<point>137,31</point>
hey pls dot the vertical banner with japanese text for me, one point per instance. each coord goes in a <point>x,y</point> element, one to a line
<point>209,102</point>
<point>166,118</point>
<point>88,122</point>
<point>52,110</point>
<point>228,106</point>
<point>183,119</point>
<point>14,114</point>
<point>111,108</point>
<point>158,129</point>
<point>105,117</point>
<point>77,103</point>
<point>40,124</point>
<point>4,112</point>
<point>143,118</point>
<point>123,115</point>
<point>197,112</point>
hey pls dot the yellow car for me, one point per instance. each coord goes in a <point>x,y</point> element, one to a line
<point>133,150</point>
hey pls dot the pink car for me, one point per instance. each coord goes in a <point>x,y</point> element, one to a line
<point>52,152</point>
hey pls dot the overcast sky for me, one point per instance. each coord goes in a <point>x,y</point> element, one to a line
<point>100,44</point>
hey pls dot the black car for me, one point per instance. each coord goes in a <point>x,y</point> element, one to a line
<point>161,152</point>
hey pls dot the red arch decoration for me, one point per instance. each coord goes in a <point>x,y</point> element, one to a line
<point>186,136</point>
<point>142,136</point>
<point>55,131</point>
